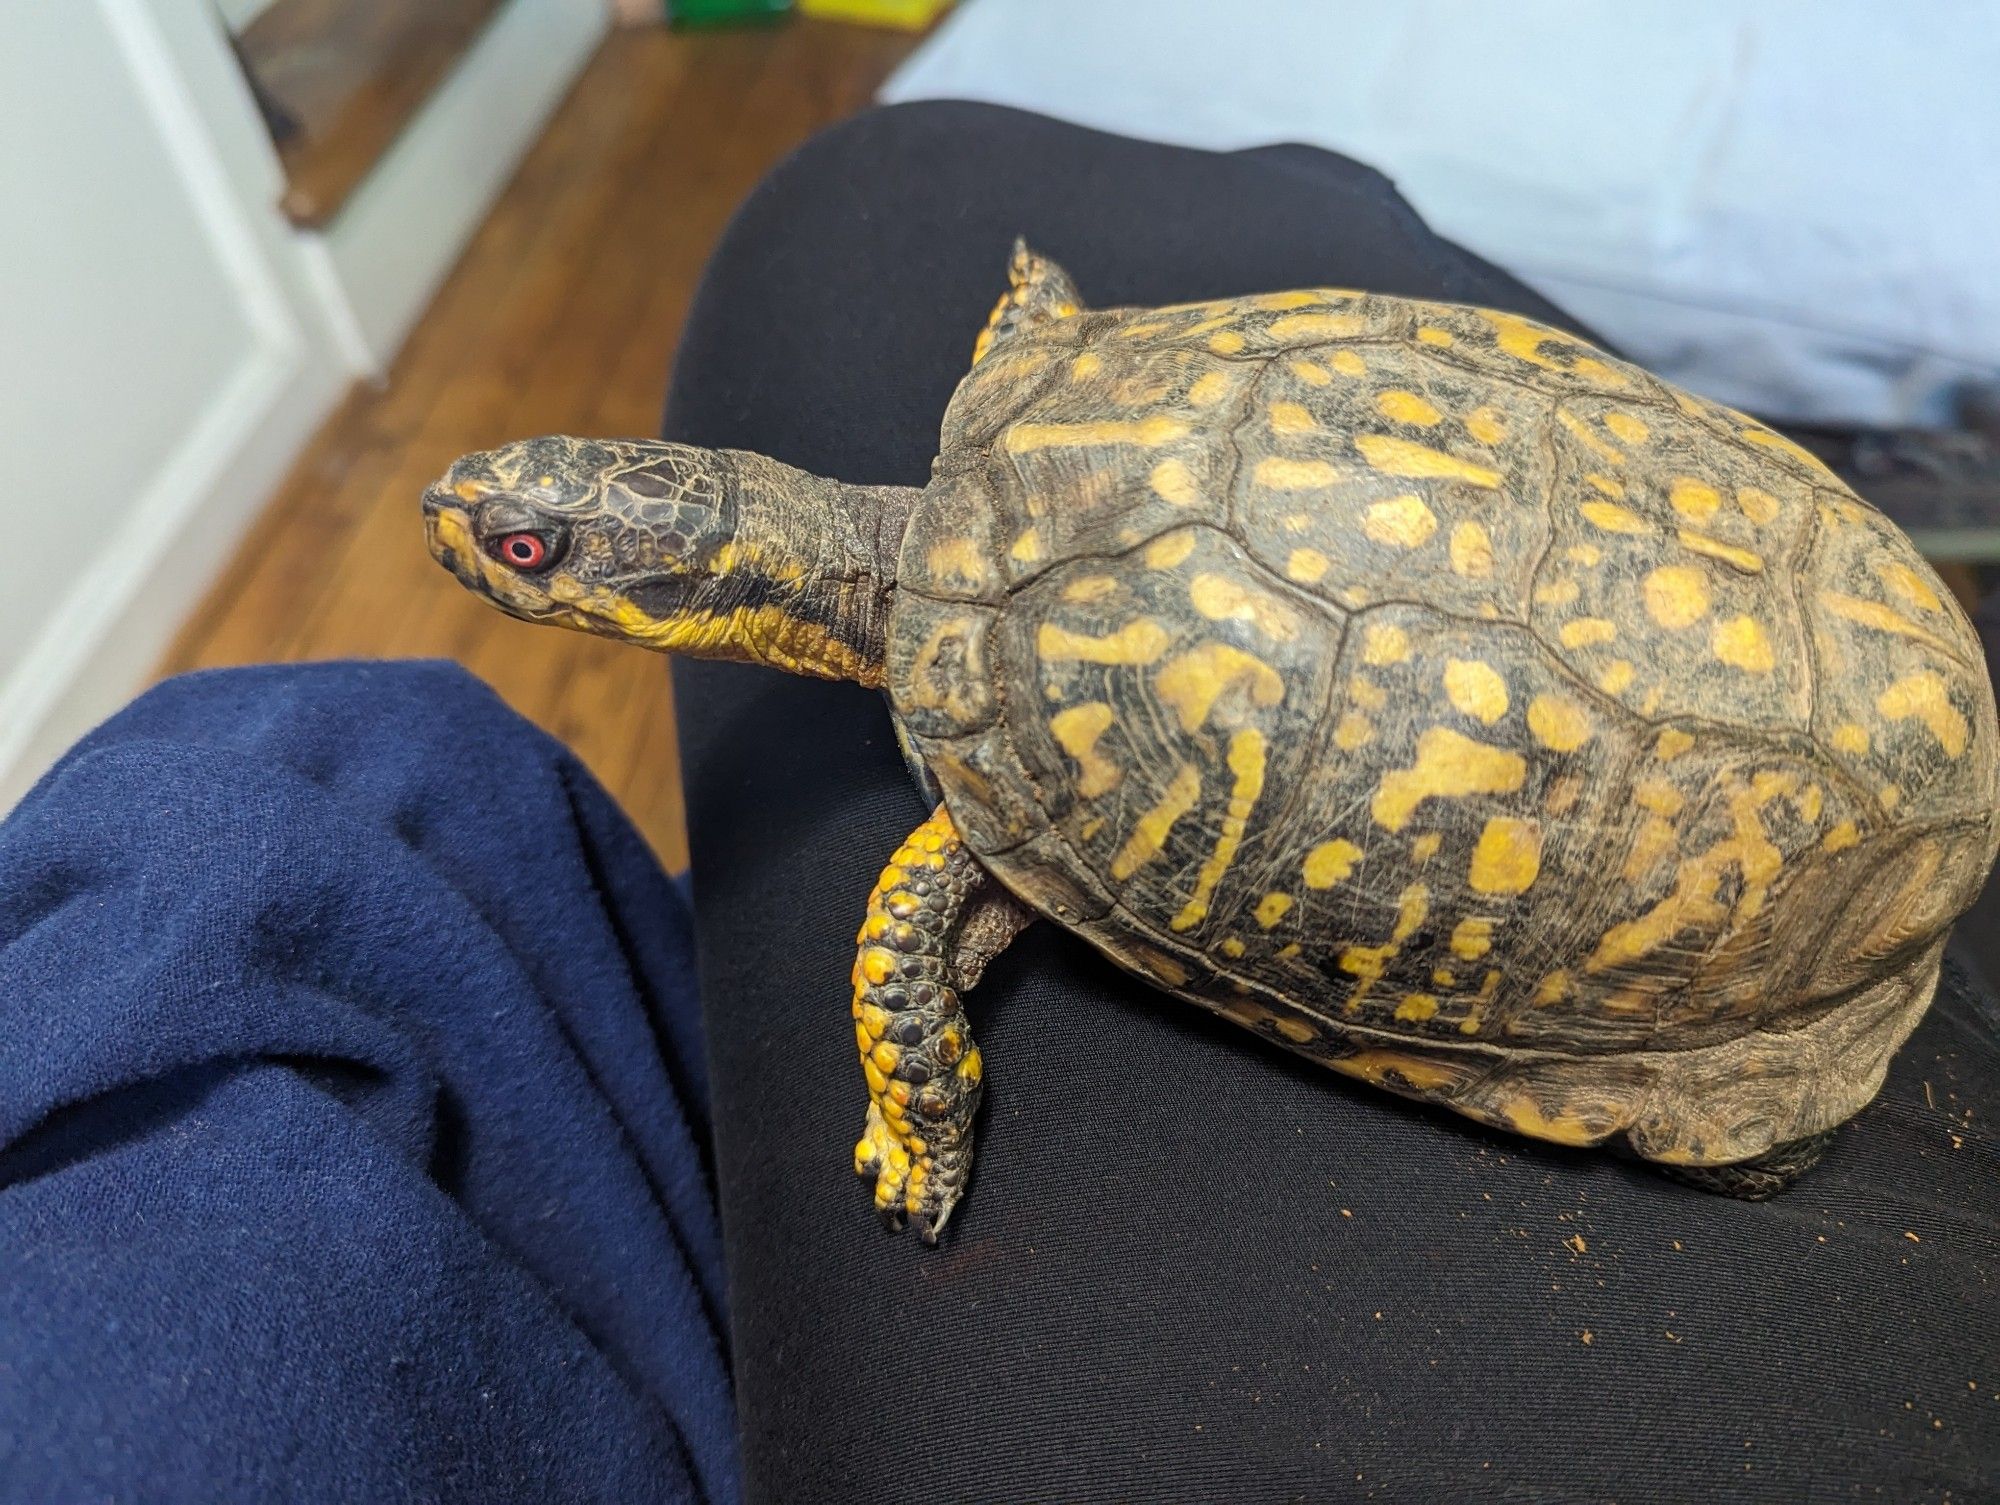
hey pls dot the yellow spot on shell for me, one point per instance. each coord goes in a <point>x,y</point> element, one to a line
<point>1317,326</point>
<point>956,558</point>
<point>1559,723</point>
<point>1758,505</point>
<point>1616,676</point>
<point>1330,862</point>
<point>1430,334</point>
<point>1694,500</point>
<point>1508,856</point>
<point>1840,838</point>
<point>1355,730</point>
<point>1085,366</point>
<point>1417,1007</point>
<point>1526,1117</point>
<point>1384,643</point>
<point>1740,643</point>
<point>1715,548</point>
<point>1448,766</point>
<point>1400,406</point>
<point>1486,425</point>
<point>1671,743</point>
<point>1425,847</point>
<point>1924,696</point>
<point>1613,518</point>
<point>1365,691</point>
<point>1606,485</point>
<point>1297,298</point>
<point>1589,439</point>
<point>1524,338</point>
<point>1208,389</point>
<point>1286,952</point>
<point>1295,1030</point>
<point>1658,796</point>
<point>1272,908</point>
<point>1553,989</point>
<point>1221,598</point>
<point>1089,588</point>
<point>1908,584</point>
<point>1583,632</point>
<point>1556,593</point>
<point>1585,554</point>
<point>1403,521</point>
<point>1291,418</point>
<point>1280,474</point>
<point>1882,618</point>
<point>1232,947</point>
<point>1627,427</point>
<point>1676,595</point>
<point>1471,550</point>
<point>1307,566</point>
<point>1246,762</point>
<point>1193,681</point>
<point>1171,549</point>
<point>1348,363</point>
<point>1150,834</point>
<point>1475,689</point>
<point>1851,738</point>
<point>1026,438</point>
<point>1225,342</point>
<point>1312,373</point>
<point>1076,731</point>
<point>1405,457</point>
<point>1028,547</point>
<point>1139,642</point>
<point>1387,1068</point>
<point>1472,938</point>
<point>1173,482</point>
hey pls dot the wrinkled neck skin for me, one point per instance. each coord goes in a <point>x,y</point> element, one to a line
<point>805,581</point>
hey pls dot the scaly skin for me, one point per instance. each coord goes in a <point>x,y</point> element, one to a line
<point>924,1073</point>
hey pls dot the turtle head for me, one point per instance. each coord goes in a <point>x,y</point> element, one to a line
<point>716,553</point>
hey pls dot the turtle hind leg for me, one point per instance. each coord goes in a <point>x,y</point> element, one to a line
<point>1039,291</point>
<point>1761,1178</point>
<point>924,1073</point>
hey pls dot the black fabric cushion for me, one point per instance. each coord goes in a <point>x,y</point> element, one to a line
<point>1191,1267</point>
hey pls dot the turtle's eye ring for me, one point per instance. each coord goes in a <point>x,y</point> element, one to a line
<point>524,551</point>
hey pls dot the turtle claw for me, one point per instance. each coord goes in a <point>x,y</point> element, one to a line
<point>916,1191</point>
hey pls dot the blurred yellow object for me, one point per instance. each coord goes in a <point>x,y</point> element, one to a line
<point>910,15</point>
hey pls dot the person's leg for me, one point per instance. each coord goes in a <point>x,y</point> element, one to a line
<point>352,1113</point>
<point>1189,1266</point>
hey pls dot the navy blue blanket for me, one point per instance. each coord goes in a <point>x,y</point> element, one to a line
<point>353,1137</point>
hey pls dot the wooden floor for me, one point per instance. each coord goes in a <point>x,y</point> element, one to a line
<point>561,317</point>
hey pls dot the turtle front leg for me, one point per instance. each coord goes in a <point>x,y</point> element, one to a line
<point>916,1048</point>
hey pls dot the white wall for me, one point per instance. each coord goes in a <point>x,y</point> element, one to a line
<point>238,14</point>
<point>168,343</point>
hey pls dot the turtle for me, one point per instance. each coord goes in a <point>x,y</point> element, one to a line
<point>1414,684</point>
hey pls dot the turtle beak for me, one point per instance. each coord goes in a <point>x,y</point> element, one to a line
<point>448,532</point>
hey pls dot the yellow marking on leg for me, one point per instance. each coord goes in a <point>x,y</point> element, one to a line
<point>1924,695</point>
<point>1172,482</point>
<point>1475,689</point>
<point>1448,766</point>
<point>1740,643</point>
<point>1139,642</point>
<point>1076,731</point>
<point>1402,521</point>
<point>1559,723</point>
<point>1400,406</point>
<point>1026,438</point>
<point>1676,595</point>
<point>1246,761</point>
<point>1405,457</point>
<point>1193,681</point>
<point>1330,862</point>
<point>1221,598</point>
<point>1508,857</point>
<point>1154,826</point>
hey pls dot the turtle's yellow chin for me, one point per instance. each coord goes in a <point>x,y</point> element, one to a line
<point>447,531</point>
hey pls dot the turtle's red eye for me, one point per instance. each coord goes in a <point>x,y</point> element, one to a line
<point>525,551</point>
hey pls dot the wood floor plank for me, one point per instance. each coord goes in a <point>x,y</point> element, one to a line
<point>560,317</point>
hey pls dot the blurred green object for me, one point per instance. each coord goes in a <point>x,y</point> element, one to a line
<point>726,12</point>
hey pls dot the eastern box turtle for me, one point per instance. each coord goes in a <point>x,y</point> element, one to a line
<point>1415,685</point>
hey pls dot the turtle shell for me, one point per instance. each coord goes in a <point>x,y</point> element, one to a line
<point>1453,703</point>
